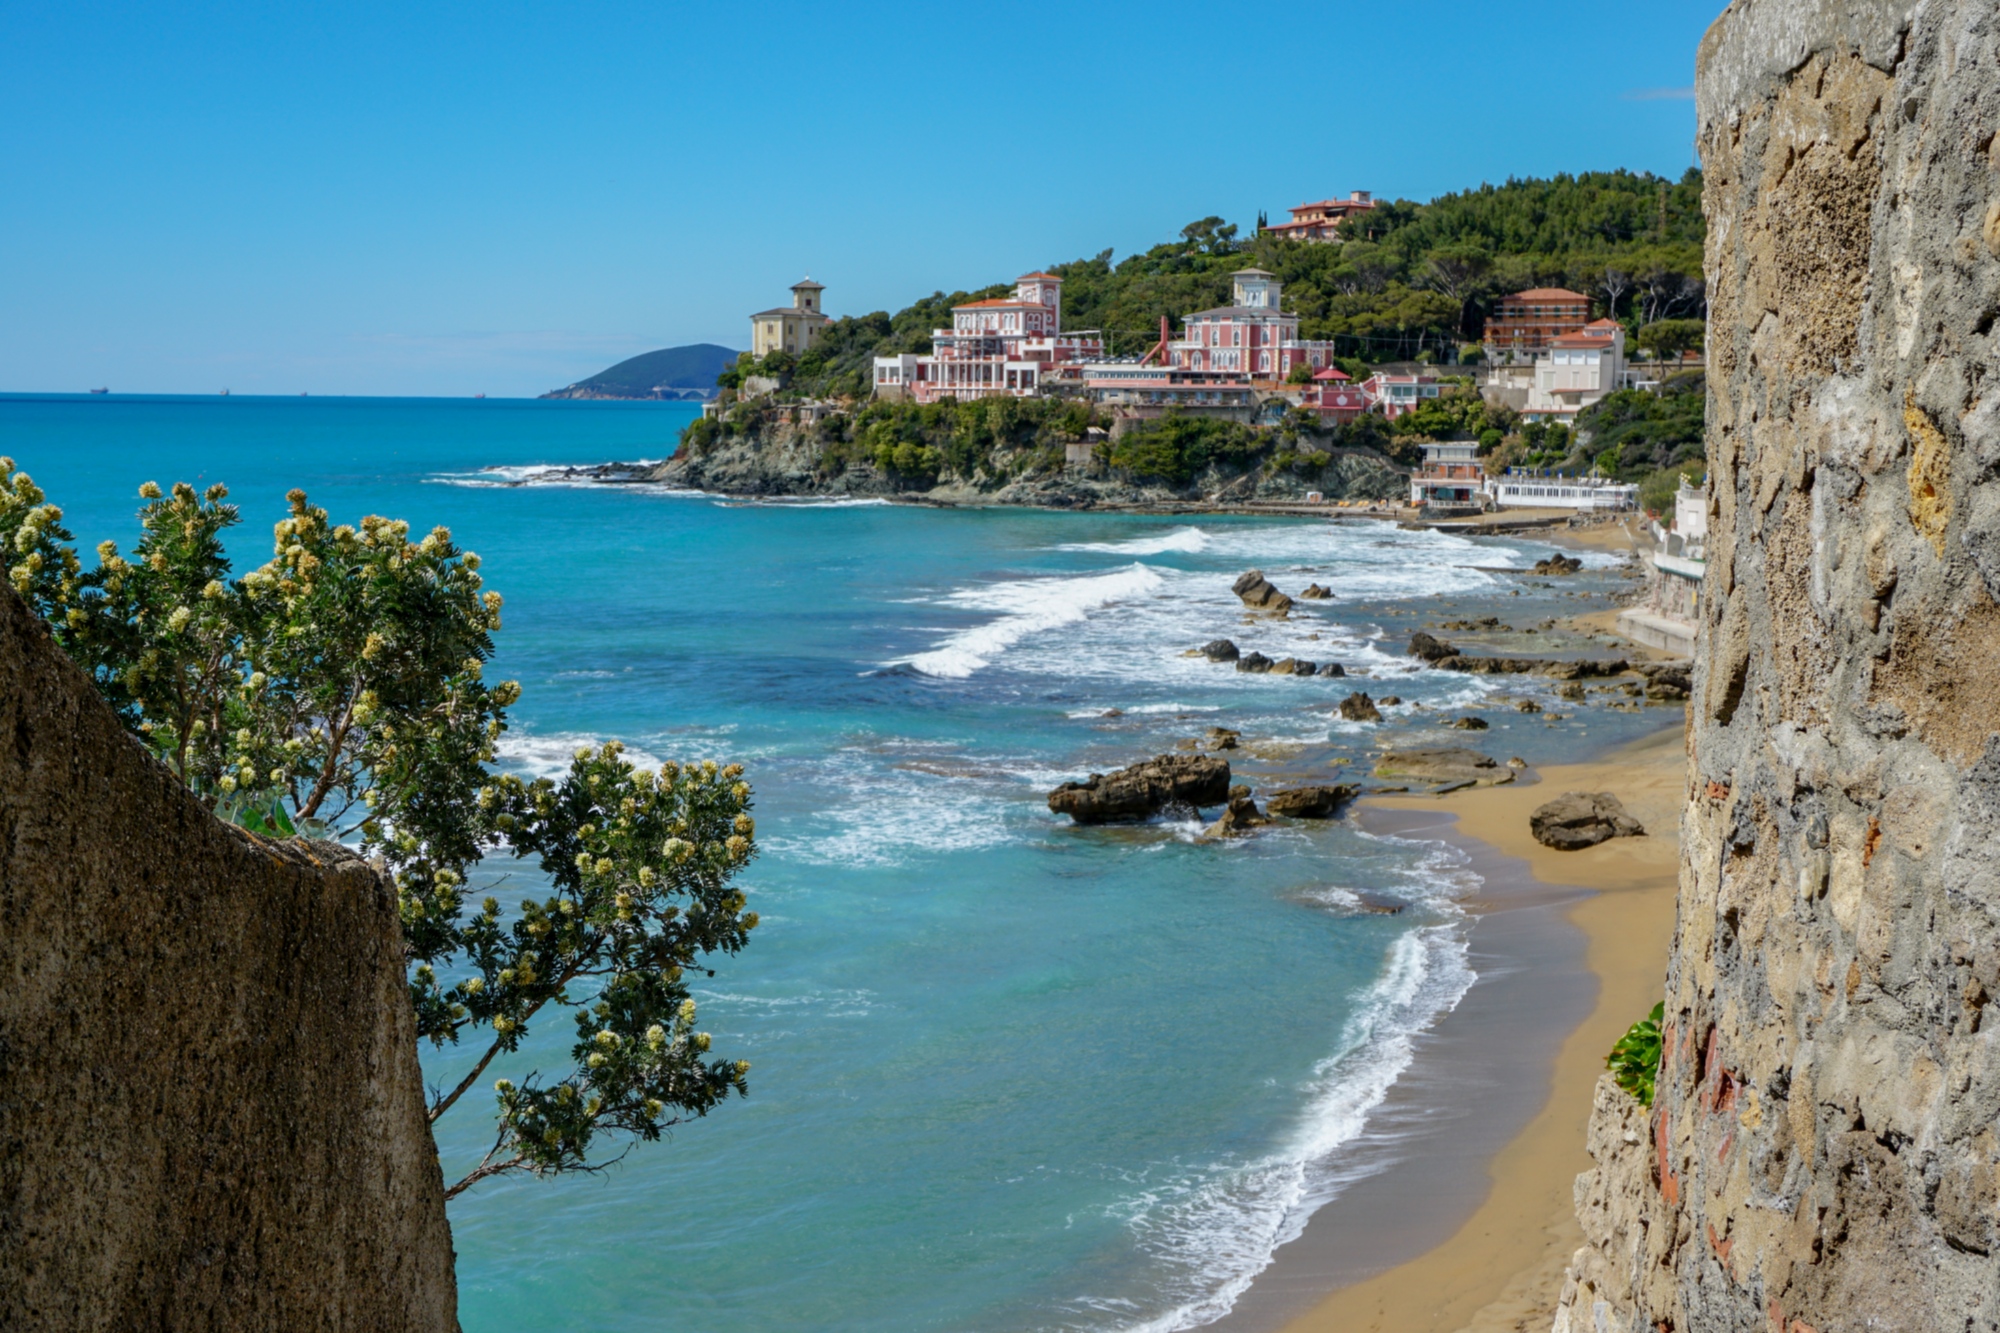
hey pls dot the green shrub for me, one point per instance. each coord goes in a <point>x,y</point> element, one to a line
<point>1635,1060</point>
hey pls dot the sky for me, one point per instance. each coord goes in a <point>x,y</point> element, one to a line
<point>503,198</point>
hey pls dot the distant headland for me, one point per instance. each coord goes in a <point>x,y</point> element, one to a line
<point>672,374</point>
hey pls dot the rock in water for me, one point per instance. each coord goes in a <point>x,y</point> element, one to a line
<point>1447,764</point>
<point>1557,564</point>
<point>1316,593</point>
<point>1241,816</point>
<point>1256,592</point>
<point>1468,723</point>
<point>1429,649</point>
<point>1311,802</point>
<point>1575,820</point>
<point>1253,662</point>
<point>1220,650</point>
<point>1144,789</point>
<point>1333,669</point>
<point>1358,707</point>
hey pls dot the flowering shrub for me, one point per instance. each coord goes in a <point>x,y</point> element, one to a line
<point>338,690</point>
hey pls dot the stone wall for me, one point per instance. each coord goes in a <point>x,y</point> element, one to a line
<point>211,1114</point>
<point>1823,1153</point>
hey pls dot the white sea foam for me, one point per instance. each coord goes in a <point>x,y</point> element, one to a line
<point>550,756</point>
<point>1211,1231</point>
<point>1028,606</point>
<point>882,814</point>
<point>1145,710</point>
<point>1180,539</point>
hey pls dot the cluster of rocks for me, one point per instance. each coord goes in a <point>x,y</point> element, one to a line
<point>1222,650</point>
<point>1577,819</point>
<point>1313,592</point>
<point>1445,657</point>
<point>1449,768</point>
<point>1558,564</point>
<point>1185,783</point>
<point>1255,592</point>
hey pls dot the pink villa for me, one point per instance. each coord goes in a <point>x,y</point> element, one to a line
<point>993,348</point>
<point>1320,221</point>
<point>1335,396</point>
<point>1251,337</point>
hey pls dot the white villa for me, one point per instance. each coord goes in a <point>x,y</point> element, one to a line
<point>1576,370</point>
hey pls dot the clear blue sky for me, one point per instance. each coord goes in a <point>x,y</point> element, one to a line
<point>503,197</point>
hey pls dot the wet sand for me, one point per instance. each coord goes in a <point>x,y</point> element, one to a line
<point>1461,1216</point>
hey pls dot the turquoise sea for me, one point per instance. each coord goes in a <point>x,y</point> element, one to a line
<point>1007,1074</point>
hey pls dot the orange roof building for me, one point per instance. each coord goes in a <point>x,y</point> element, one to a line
<point>1002,346</point>
<point>1321,219</point>
<point>1530,321</point>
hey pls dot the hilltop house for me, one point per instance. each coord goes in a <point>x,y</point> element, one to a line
<point>1252,337</point>
<point>998,347</point>
<point>1530,321</point>
<point>789,328</point>
<point>1320,221</point>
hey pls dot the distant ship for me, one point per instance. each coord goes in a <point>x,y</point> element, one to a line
<point>478,395</point>
<point>100,391</point>
<point>225,393</point>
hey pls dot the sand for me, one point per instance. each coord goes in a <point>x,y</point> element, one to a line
<point>1502,1268</point>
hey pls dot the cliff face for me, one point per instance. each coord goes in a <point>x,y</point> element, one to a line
<point>1823,1153</point>
<point>211,1114</point>
<point>787,460</point>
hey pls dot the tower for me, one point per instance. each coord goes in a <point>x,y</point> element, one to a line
<point>805,295</point>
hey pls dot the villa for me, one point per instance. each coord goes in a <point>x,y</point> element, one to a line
<point>1451,477</point>
<point>789,328</point>
<point>994,348</point>
<point>1577,370</point>
<point>1532,320</point>
<point>1252,337</point>
<point>1320,221</point>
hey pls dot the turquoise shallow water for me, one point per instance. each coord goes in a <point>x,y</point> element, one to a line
<point>1007,1074</point>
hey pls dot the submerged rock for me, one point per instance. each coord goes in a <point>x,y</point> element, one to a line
<point>1144,789</point>
<point>1255,591</point>
<point>1575,820</point>
<point>1312,802</point>
<point>1358,707</point>
<point>1468,723</point>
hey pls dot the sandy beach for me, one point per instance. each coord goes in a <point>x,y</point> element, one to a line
<point>1500,1267</point>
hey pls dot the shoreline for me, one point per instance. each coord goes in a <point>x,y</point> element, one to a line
<point>1482,1223</point>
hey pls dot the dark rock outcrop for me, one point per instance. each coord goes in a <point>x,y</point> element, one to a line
<point>212,1113</point>
<point>1823,1150</point>
<point>1253,662</point>
<point>1255,591</point>
<point>1428,649</point>
<point>1468,723</point>
<point>1577,819</point>
<point>1220,650</point>
<point>1445,657</point>
<point>1311,802</point>
<point>1558,564</point>
<point>1313,592</point>
<point>1332,669</point>
<point>1144,789</point>
<point>1358,707</point>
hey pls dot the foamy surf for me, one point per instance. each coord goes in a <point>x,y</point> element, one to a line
<point>1180,539</point>
<point>1029,606</point>
<point>1212,1231</point>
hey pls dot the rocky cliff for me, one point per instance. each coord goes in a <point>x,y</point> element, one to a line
<point>211,1114</point>
<point>1824,1153</point>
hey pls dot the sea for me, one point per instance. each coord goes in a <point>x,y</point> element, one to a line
<point>1007,1073</point>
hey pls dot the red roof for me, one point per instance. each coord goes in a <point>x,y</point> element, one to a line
<point>1577,340</point>
<point>1045,277</point>
<point>1606,324</point>
<point>998,300</point>
<point>1332,373</point>
<point>1549,294</point>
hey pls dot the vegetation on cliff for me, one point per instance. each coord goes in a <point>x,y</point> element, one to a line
<point>338,691</point>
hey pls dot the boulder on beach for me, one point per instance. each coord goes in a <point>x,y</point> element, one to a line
<point>1316,593</point>
<point>1447,765</point>
<point>1219,650</point>
<point>1578,819</point>
<point>1253,662</point>
<point>1241,816</point>
<point>1470,722</point>
<point>1144,789</point>
<point>1255,591</point>
<point>1311,802</point>
<point>1332,669</point>
<point>1358,707</point>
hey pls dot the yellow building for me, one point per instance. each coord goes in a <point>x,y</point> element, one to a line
<point>789,328</point>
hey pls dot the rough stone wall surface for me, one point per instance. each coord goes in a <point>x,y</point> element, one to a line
<point>211,1113</point>
<point>1824,1151</point>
